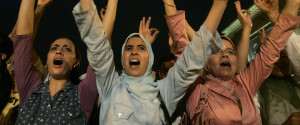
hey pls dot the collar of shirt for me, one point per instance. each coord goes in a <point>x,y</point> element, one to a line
<point>44,88</point>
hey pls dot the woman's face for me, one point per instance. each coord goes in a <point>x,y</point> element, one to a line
<point>135,57</point>
<point>223,63</point>
<point>61,58</point>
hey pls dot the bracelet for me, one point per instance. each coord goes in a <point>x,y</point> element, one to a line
<point>168,4</point>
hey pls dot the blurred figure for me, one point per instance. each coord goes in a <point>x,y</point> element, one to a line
<point>6,50</point>
<point>166,62</point>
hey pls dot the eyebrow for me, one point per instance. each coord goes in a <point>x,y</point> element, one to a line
<point>65,45</point>
<point>140,45</point>
<point>56,45</point>
<point>129,46</point>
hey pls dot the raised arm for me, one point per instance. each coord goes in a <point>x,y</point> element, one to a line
<point>27,77</point>
<point>261,67</point>
<point>99,52</point>
<point>243,46</point>
<point>25,18</point>
<point>38,13</point>
<point>189,30</point>
<point>194,57</point>
<point>215,15</point>
<point>41,7</point>
<point>110,16</point>
<point>176,24</point>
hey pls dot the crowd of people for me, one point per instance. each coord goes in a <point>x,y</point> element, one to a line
<point>205,79</point>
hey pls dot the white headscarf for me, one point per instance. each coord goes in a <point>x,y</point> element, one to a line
<point>144,86</point>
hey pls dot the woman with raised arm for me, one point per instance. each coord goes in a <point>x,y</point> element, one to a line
<point>181,32</point>
<point>222,97</point>
<point>61,100</point>
<point>132,97</point>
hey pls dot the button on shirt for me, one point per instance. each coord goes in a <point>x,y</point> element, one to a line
<point>64,108</point>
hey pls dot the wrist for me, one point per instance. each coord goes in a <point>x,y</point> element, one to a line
<point>273,17</point>
<point>247,28</point>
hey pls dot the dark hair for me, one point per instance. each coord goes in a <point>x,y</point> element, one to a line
<point>6,45</point>
<point>74,75</point>
<point>167,57</point>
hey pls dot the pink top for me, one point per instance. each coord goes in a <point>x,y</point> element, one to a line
<point>176,25</point>
<point>210,103</point>
<point>219,106</point>
<point>28,78</point>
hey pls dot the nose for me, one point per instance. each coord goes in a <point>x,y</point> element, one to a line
<point>224,55</point>
<point>134,52</point>
<point>58,51</point>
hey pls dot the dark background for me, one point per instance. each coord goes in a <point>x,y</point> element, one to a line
<point>58,21</point>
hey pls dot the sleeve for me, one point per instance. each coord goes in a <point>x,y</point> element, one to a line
<point>187,68</point>
<point>261,67</point>
<point>99,52</point>
<point>27,77</point>
<point>176,25</point>
<point>293,51</point>
<point>88,92</point>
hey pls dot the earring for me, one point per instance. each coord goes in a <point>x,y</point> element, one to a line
<point>46,66</point>
<point>74,66</point>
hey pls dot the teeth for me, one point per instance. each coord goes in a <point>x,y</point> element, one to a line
<point>133,60</point>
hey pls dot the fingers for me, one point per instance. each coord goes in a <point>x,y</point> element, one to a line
<point>144,24</point>
<point>170,41</point>
<point>237,5</point>
<point>255,2</point>
<point>154,32</point>
<point>248,12</point>
<point>148,22</point>
<point>263,32</point>
<point>262,35</point>
<point>141,26</point>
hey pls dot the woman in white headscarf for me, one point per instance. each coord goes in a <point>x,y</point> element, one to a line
<point>132,97</point>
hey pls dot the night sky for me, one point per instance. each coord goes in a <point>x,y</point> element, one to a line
<point>58,22</point>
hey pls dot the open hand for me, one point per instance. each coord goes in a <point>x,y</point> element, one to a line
<point>244,19</point>
<point>270,8</point>
<point>148,34</point>
<point>262,34</point>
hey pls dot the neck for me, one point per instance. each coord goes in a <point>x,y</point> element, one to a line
<point>56,84</point>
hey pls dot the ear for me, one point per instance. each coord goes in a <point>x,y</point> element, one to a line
<point>3,56</point>
<point>77,63</point>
